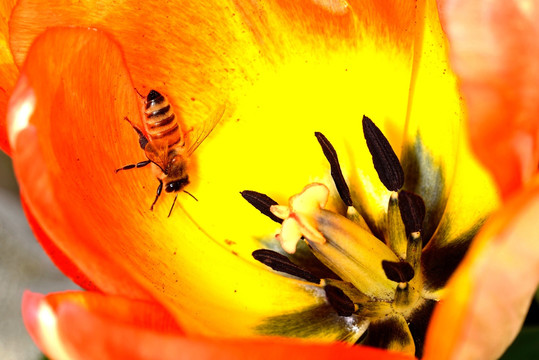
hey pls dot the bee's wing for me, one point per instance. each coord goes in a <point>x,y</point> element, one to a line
<point>206,128</point>
<point>157,154</point>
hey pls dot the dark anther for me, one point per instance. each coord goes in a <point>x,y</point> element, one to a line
<point>399,271</point>
<point>412,210</point>
<point>279,262</point>
<point>336,173</point>
<point>339,300</point>
<point>385,160</point>
<point>262,202</point>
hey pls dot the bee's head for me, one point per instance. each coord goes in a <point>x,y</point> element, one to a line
<point>177,185</point>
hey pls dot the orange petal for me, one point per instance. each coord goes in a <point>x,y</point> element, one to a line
<point>61,261</point>
<point>68,135</point>
<point>488,297</point>
<point>8,71</point>
<point>102,218</point>
<point>494,51</point>
<point>92,326</point>
<point>47,170</point>
<point>43,318</point>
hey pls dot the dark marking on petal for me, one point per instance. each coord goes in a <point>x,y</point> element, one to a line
<point>398,271</point>
<point>339,300</point>
<point>385,160</point>
<point>426,177</point>
<point>262,202</point>
<point>312,323</point>
<point>279,262</point>
<point>385,333</point>
<point>412,209</point>
<point>439,261</point>
<point>336,172</point>
<point>418,324</point>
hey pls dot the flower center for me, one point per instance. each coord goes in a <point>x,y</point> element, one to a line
<point>372,279</point>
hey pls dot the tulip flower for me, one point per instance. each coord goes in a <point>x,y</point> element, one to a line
<point>341,121</point>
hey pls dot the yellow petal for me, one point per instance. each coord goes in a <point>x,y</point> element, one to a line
<point>458,192</point>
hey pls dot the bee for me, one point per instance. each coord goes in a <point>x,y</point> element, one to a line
<point>164,144</point>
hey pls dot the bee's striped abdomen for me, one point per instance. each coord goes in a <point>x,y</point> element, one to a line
<point>160,122</point>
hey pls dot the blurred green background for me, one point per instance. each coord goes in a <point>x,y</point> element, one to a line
<point>24,266</point>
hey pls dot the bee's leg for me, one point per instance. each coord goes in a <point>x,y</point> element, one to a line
<point>159,188</point>
<point>139,94</point>
<point>142,140</point>
<point>132,166</point>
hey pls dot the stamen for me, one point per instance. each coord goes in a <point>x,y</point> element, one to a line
<point>385,160</point>
<point>398,271</point>
<point>412,210</point>
<point>397,239</point>
<point>355,216</point>
<point>336,172</point>
<point>339,300</point>
<point>262,202</point>
<point>405,297</point>
<point>281,263</point>
<point>413,257</point>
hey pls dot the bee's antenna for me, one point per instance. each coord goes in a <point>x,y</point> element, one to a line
<point>174,202</point>
<point>139,94</point>
<point>188,193</point>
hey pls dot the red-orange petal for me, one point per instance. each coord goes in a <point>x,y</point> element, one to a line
<point>47,184</point>
<point>68,137</point>
<point>488,297</point>
<point>8,71</point>
<point>92,326</point>
<point>494,51</point>
<point>65,264</point>
<point>198,261</point>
